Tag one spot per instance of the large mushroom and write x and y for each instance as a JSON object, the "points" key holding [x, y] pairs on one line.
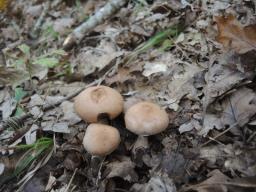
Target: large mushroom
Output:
{"points": [[101, 140], [145, 119], [95, 101]]}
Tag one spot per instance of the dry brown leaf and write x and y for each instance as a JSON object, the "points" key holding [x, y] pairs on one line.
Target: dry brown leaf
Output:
{"points": [[211, 184], [123, 169], [122, 75], [237, 109], [235, 36], [226, 72], [61, 25], [156, 183], [221, 183], [91, 59]]}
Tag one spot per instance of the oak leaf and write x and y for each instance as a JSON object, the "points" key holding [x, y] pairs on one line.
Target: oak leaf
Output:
{"points": [[233, 35]]}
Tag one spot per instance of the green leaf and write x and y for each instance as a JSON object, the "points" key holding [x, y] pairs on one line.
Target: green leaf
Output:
{"points": [[47, 61], [19, 62], [49, 32], [25, 49], [19, 111], [36, 150], [19, 94], [167, 44]]}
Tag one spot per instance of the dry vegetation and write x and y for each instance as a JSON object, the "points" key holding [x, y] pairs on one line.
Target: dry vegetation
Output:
{"points": [[195, 58]]}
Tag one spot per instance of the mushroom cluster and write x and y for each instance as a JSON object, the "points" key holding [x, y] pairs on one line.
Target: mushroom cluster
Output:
{"points": [[143, 119], [90, 105]]}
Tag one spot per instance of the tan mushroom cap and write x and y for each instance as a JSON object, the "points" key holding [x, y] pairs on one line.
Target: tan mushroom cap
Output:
{"points": [[146, 118], [101, 140], [93, 101]]}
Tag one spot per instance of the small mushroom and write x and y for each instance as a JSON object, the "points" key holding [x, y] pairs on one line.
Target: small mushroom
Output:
{"points": [[101, 140], [144, 119], [98, 100]]}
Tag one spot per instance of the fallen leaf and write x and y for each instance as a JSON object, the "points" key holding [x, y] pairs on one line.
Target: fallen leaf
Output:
{"points": [[9, 33], [190, 126], [15, 77], [8, 107], [160, 184], [215, 6], [34, 11], [36, 112], [47, 62], [236, 109], [243, 182], [30, 136], [123, 169], [61, 25], [226, 72], [234, 158], [69, 114], [122, 75], [211, 184], [241, 160], [182, 84], [89, 59], [212, 153], [235, 36], [35, 100], [173, 164], [152, 68], [221, 79], [61, 127], [51, 100]]}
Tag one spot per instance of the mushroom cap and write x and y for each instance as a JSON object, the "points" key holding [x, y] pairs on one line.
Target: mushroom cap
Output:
{"points": [[146, 118], [100, 139], [93, 101]]}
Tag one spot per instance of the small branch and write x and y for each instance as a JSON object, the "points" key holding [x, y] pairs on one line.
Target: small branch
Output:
{"points": [[105, 12], [71, 180], [220, 134]]}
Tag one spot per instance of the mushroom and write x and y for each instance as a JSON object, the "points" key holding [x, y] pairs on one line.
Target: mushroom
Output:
{"points": [[97, 100], [144, 119], [101, 140]]}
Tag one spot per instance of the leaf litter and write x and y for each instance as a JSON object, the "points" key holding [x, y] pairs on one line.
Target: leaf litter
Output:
{"points": [[195, 59]]}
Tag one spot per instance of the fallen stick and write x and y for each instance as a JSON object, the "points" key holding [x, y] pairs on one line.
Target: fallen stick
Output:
{"points": [[105, 12]]}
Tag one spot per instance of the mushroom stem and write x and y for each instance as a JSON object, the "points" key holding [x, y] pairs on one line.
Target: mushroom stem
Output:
{"points": [[140, 143], [103, 118]]}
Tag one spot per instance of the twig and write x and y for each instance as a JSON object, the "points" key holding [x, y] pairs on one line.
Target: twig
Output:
{"points": [[105, 12], [72, 178], [251, 137], [220, 134]]}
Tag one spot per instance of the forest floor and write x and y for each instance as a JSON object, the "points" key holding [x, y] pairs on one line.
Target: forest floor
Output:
{"points": [[196, 59]]}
